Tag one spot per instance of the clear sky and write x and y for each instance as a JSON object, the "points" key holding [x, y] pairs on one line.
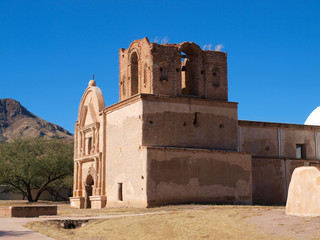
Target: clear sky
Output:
{"points": [[49, 50]]}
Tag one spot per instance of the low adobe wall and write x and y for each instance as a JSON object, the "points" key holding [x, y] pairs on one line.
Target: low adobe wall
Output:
{"points": [[185, 175], [28, 211]]}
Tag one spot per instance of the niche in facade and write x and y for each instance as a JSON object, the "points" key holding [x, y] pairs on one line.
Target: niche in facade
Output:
{"points": [[89, 145], [163, 72], [123, 85], [215, 77], [145, 75]]}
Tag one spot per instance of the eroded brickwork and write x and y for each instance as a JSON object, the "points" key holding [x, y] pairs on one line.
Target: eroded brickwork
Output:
{"points": [[172, 69]]}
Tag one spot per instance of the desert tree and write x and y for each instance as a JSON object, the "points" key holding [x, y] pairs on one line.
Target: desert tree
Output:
{"points": [[31, 166]]}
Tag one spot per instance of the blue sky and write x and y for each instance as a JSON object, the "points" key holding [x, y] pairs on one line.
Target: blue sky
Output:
{"points": [[50, 49]]}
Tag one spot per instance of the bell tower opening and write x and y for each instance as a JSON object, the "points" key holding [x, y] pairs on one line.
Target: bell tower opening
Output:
{"points": [[187, 74], [134, 72], [182, 69]]}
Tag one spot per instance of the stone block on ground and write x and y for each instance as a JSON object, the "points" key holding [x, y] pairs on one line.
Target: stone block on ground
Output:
{"points": [[28, 211], [304, 192]]}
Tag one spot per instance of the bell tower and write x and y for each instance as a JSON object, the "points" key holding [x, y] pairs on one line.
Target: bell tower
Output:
{"points": [[172, 69]]}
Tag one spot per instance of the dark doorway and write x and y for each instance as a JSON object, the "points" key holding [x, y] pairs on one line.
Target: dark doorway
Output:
{"points": [[89, 183]]}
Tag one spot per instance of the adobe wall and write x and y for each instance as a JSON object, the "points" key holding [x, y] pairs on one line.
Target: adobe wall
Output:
{"points": [[189, 122], [278, 139], [271, 178], [181, 175], [125, 161]]}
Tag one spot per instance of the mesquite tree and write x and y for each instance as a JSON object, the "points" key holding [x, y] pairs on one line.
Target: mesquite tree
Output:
{"points": [[30, 166]]}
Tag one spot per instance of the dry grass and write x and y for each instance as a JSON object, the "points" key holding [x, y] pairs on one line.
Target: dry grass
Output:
{"points": [[180, 222], [4, 203]]}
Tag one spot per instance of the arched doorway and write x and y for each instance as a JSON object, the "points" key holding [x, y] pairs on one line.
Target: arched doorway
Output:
{"points": [[88, 193]]}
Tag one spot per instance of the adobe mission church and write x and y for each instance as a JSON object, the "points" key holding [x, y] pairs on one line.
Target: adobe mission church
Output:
{"points": [[175, 138]]}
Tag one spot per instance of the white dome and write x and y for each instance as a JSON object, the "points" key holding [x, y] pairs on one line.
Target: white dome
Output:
{"points": [[314, 118]]}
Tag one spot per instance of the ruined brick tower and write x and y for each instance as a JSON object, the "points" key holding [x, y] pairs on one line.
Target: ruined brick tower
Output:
{"points": [[172, 69]]}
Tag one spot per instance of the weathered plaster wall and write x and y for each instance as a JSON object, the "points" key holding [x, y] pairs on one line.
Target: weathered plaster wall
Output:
{"points": [[271, 178], [185, 122], [125, 161], [259, 141], [278, 139], [181, 175], [273, 146], [292, 136]]}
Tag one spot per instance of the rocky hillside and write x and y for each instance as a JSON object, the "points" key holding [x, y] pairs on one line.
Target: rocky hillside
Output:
{"points": [[17, 122]]}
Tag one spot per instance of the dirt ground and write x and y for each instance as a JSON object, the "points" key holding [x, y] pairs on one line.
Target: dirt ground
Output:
{"points": [[221, 222], [196, 221], [276, 222]]}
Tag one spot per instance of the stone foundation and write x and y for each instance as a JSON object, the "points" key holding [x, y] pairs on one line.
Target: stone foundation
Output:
{"points": [[28, 211], [77, 202], [98, 202]]}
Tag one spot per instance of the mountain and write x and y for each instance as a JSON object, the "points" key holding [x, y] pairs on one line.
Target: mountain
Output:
{"points": [[17, 122]]}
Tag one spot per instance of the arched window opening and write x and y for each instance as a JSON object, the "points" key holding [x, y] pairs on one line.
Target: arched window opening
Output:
{"points": [[187, 74], [187, 78], [183, 56], [134, 73], [216, 77]]}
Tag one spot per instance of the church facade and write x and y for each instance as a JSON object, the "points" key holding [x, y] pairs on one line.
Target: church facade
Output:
{"points": [[175, 138]]}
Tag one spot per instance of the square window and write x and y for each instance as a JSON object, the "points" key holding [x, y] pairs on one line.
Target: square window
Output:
{"points": [[300, 151]]}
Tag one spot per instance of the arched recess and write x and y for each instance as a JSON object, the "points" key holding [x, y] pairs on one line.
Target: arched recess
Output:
{"points": [[134, 73], [163, 72], [123, 86], [146, 77], [88, 190], [215, 72]]}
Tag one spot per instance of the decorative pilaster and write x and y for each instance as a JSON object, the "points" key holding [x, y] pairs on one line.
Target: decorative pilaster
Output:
{"points": [[75, 175], [80, 179]]}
